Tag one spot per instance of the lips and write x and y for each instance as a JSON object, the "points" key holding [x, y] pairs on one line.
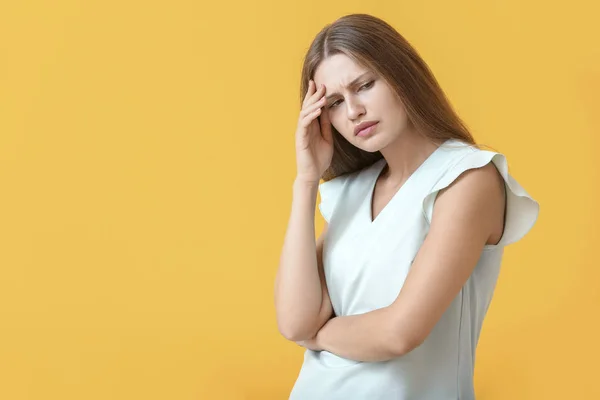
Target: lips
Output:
{"points": [[364, 125]]}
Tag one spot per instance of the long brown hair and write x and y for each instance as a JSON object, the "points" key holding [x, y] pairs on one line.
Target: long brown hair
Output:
{"points": [[373, 43]]}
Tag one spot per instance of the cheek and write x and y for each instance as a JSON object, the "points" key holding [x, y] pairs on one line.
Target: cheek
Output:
{"points": [[395, 107], [336, 121], [340, 129], [398, 105], [344, 129]]}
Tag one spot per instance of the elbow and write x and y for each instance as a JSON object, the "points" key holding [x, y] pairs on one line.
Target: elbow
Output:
{"points": [[402, 346], [406, 334], [405, 341], [295, 332]]}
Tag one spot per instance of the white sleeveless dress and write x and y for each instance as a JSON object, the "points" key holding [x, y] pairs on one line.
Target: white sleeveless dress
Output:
{"points": [[366, 263]]}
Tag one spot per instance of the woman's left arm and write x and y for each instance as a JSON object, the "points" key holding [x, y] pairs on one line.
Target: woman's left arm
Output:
{"points": [[465, 217]]}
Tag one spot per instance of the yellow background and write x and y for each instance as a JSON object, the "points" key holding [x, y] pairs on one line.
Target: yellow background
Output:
{"points": [[146, 166]]}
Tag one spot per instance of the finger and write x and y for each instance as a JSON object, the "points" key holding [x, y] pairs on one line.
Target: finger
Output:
{"points": [[309, 109], [309, 92], [314, 94], [310, 117], [317, 94]]}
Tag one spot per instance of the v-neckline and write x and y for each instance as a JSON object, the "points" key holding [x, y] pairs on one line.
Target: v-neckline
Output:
{"points": [[379, 166]]}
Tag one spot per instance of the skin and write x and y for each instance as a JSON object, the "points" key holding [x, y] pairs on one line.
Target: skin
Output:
{"points": [[467, 215]]}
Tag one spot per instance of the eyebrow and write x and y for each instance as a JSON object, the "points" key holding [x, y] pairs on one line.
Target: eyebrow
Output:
{"points": [[351, 84]]}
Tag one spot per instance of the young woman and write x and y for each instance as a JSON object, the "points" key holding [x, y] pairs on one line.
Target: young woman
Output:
{"points": [[390, 299]]}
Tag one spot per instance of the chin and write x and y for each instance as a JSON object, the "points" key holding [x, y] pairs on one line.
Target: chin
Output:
{"points": [[370, 147], [375, 143]]}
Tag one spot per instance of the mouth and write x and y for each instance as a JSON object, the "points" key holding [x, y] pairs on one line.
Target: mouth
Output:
{"points": [[365, 128]]}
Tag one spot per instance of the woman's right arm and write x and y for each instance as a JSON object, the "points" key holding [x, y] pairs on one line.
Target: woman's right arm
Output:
{"points": [[301, 298]]}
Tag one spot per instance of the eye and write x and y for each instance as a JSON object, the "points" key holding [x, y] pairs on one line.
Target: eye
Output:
{"points": [[367, 85], [335, 103]]}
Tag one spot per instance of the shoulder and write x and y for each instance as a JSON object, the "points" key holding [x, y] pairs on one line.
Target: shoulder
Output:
{"points": [[331, 192], [478, 188], [341, 186], [355, 175], [483, 182], [475, 201]]}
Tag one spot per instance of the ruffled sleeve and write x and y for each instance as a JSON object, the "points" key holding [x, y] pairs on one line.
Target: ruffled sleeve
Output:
{"points": [[521, 209], [330, 193]]}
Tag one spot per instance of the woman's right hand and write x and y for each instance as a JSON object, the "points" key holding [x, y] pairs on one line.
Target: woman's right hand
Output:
{"points": [[314, 139]]}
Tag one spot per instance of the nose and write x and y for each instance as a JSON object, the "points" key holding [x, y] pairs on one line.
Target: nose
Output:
{"points": [[354, 109]]}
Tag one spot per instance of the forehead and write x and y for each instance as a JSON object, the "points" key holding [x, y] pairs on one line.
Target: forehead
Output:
{"points": [[338, 71]]}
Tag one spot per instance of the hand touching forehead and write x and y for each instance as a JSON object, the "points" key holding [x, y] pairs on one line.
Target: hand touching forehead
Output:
{"points": [[339, 73]]}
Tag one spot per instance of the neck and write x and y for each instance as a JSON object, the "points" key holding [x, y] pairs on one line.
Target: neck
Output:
{"points": [[405, 155]]}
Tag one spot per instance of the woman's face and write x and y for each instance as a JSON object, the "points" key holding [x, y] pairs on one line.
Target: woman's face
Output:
{"points": [[355, 95]]}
